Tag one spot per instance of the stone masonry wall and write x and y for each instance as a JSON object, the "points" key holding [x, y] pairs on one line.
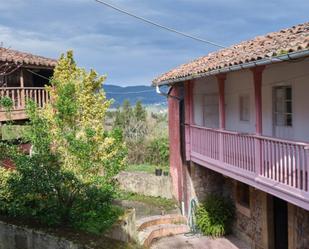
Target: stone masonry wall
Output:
{"points": [[248, 224], [301, 228], [145, 184]]}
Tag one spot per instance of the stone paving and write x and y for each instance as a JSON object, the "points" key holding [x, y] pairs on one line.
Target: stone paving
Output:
{"points": [[185, 241]]}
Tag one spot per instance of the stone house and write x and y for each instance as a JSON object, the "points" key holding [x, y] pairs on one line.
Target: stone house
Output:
{"points": [[238, 126]]}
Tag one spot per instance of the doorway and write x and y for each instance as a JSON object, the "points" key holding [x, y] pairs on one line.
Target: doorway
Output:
{"points": [[280, 223]]}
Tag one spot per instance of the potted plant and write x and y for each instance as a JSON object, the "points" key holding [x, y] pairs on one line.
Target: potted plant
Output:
{"points": [[158, 171]]}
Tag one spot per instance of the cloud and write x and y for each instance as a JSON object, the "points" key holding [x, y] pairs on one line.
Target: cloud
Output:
{"points": [[132, 52]]}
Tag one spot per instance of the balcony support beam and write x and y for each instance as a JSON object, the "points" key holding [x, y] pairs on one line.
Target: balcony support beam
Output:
{"points": [[22, 90], [257, 80], [221, 83]]}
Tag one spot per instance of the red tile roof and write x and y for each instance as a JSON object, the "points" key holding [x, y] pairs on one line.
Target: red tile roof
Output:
{"points": [[9, 55], [273, 44]]}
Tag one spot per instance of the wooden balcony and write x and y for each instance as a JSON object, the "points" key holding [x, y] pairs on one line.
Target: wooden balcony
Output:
{"points": [[276, 166], [20, 96]]}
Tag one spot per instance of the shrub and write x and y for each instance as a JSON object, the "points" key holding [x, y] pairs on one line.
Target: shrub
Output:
{"points": [[215, 216], [158, 151]]}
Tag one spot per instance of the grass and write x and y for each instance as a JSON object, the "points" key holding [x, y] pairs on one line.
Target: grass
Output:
{"points": [[166, 204], [147, 168]]}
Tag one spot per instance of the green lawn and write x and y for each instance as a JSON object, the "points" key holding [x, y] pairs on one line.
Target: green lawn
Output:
{"points": [[166, 204], [148, 168]]}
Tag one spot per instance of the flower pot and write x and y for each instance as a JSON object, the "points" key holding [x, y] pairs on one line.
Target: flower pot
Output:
{"points": [[158, 172], [165, 173]]}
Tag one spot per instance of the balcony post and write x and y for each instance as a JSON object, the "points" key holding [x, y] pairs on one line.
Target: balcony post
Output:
{"points": [[22, 93], [188, 100], [221, 84], [257, 80]]}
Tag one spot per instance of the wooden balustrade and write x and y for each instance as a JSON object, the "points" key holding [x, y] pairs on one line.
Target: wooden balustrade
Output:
{"points": [[280, 161], [20, 96]]}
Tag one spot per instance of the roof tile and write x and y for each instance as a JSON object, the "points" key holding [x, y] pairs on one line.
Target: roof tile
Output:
{"points": [[9, 55], [292, 39]]}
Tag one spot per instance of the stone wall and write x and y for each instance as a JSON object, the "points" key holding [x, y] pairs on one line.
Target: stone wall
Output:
{"points": [[145, 184], [298, 228], [202, 181], [16, 237], [249, 224]]}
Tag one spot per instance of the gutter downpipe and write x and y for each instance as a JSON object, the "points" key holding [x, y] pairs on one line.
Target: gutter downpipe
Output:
{"points": [[167, 95], [267, 61]]}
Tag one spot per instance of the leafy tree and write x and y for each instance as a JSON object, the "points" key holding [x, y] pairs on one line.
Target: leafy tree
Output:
{"points": [[140, 112], [68, 177]]}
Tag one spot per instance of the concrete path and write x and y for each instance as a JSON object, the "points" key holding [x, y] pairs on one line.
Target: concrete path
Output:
{"points": [[198, 242]]}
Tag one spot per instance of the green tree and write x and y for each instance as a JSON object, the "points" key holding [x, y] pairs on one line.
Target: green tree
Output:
{"points": [[68, 177], [140, 112]]}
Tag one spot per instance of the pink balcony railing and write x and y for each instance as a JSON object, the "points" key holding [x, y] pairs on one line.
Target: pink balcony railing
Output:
{"points": [[275, 162], [20, 96]]}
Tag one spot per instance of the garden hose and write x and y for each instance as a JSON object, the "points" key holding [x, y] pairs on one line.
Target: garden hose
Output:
{"points": [[191, 216]]}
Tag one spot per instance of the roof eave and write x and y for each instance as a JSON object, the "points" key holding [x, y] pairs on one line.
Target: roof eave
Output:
{"points": [[266, 61]]}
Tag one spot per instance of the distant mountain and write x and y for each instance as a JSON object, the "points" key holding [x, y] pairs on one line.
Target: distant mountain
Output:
{"points": [[146, 94]]}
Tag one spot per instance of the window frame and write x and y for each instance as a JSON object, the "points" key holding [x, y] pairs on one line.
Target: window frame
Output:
{"points": [[284, 113], [241, 105]]}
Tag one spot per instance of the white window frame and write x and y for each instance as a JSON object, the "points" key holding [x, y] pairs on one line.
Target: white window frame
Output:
{"points": [[241, 105], [284, 113]]}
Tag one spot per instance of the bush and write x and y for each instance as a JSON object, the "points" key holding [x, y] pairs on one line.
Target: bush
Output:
{"points": [[215, 216], [158, 151], [40, 190]]}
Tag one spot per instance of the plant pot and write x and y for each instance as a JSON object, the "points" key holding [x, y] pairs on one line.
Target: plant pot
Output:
{"points": [[158, 172], [165, 173]]}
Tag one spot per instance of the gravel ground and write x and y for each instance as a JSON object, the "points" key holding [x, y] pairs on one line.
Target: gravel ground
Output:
{"points": [[198, 242]]}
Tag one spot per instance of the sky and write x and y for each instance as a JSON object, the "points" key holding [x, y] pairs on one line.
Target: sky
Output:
{"points": [[131, 52]]}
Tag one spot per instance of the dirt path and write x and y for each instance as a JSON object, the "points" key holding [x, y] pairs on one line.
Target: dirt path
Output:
{"points": [[198, 242]]}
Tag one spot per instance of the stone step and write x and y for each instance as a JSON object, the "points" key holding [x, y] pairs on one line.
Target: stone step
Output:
{"points": [[160, 219], [148, 234]]}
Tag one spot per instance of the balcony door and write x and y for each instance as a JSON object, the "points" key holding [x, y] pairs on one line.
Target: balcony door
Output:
{"points": [[283, 112], [211, 110]]}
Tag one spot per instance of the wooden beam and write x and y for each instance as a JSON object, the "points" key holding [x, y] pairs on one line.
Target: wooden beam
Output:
{"points": [[22, 100], [257, 80], [21, 78], [221, 85]]}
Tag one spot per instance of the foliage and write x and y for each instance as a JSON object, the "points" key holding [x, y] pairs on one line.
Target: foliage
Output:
{"points": [[75, 119], [7, 104], [68, 178], [13, 131], [140, 112], [145, 136], [132, 121], [215, 216], [158, 151]]}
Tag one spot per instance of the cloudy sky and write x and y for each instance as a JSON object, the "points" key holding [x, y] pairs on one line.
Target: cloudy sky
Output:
{"points": [[131, 52]]}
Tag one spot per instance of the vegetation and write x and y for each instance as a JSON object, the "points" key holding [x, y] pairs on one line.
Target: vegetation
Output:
{"points": [[68, 178], [215, 216], [147, 168], [145, 135], [165, 204]]}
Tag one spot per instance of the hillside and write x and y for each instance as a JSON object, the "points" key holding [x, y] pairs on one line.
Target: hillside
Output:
{"points": [[146, 94]]}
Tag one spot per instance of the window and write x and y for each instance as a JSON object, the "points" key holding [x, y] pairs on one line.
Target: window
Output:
{"points": [[283, 106], [211, 110], [244, 107], [243, 194]]}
